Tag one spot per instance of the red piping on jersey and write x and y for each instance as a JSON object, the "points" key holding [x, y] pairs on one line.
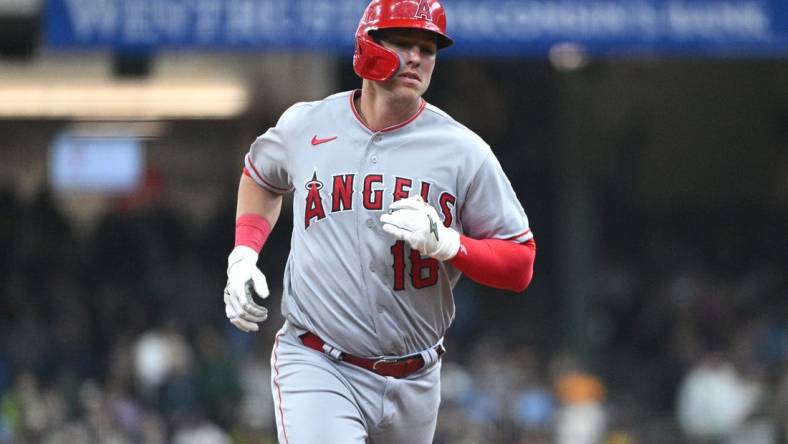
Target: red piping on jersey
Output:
{"points": [[278, 389], [422, 105], [284, 190], [519, 235], [497, 263]]}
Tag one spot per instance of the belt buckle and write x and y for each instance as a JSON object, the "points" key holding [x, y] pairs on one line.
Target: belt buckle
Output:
{"points": [[384, 361]]}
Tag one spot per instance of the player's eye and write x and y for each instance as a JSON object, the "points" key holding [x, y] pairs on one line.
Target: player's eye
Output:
{"points": [[427, 49]]}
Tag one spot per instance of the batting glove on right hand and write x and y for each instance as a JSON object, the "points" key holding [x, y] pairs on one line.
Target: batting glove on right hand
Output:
{"points": [[244, 280], [417, 223]]}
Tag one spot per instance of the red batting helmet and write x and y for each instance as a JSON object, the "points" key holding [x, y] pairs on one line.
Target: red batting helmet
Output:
{"points": [[375, 62]]}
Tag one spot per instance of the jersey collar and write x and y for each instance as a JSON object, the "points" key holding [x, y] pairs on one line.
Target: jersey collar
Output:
{"points": [[352, 96]]}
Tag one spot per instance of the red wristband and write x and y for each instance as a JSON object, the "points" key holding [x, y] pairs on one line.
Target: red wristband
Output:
{"points": [[251, 230]]}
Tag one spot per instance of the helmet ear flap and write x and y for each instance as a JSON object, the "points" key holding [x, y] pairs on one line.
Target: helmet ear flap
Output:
{"points": [[373, 61]]}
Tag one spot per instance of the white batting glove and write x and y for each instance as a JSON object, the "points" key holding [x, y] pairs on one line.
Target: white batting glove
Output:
{"points": [[244, 280], [417, 223]]}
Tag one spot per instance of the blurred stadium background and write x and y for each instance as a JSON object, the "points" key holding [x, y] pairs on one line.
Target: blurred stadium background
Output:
{"points": [[647, 140]]}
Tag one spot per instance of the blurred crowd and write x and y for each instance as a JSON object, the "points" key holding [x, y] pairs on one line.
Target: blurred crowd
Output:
{"points": [[119, 337]]}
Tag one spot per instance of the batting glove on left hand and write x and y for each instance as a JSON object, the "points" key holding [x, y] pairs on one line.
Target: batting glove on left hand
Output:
{"points": [[417, 223], [244, 280]]}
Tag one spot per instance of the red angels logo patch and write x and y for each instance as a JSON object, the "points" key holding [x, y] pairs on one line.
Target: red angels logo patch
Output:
{"points": [[423, 11], [339, 191], [314, 205]]}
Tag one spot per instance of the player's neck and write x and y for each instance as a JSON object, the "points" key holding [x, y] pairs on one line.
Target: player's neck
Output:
{"points": [[381, 109]]}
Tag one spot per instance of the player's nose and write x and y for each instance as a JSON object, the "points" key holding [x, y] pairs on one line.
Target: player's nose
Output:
{"points": [[413, 54]]}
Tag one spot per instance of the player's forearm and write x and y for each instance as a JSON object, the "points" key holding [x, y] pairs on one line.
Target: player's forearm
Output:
{"points": [[253, 198], [256, 213], [497, 263]]}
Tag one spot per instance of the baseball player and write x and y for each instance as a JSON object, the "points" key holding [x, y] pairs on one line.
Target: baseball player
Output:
{"points": [[392, 200]]}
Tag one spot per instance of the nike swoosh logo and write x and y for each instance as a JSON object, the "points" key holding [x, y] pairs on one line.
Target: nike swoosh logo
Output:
{"points": [[316, 141]]}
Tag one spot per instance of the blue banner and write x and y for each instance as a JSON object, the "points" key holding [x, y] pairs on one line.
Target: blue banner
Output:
{"points": [[480, 27]]}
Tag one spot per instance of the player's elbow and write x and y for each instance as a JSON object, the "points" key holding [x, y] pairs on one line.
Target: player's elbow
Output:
{"points": [[524, 271], [522, 283]]}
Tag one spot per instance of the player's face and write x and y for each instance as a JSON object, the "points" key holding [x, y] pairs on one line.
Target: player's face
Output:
{"points": [[418, 49]]}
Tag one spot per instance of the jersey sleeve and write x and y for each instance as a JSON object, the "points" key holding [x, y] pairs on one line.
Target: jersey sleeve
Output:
{"points": [[267, 160], [491, 209]]}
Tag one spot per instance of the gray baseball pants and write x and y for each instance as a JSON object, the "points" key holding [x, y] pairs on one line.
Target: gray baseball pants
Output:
{"points": [[320, 400]]}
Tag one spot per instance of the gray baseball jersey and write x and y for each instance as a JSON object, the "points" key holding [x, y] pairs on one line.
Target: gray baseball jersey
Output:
{"points": [[346, 280]]}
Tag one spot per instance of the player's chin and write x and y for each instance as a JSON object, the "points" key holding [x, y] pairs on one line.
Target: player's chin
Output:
{"points": [[410, 89]]}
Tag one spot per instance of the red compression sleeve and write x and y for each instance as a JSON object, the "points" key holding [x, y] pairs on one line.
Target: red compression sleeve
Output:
{"points": [[497, 263], [251, 230]]}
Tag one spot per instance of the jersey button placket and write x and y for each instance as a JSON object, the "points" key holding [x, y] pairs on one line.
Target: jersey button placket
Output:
{"points": [[369, 163], [373, 159]]}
